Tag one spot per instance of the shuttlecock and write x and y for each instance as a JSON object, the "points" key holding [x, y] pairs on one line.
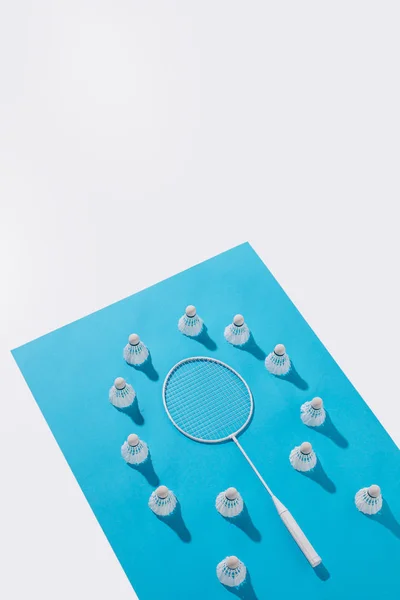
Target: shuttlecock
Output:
{"points": [[229, 503], [135, 352], [231, 571], [162, 501], [303, 457], [134, 451], [237, 333], [278, 362], [190, 323], [121, 394], [369, 500], [313, 413]]}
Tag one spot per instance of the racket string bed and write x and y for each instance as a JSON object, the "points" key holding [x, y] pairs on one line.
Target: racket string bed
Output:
{"points": [[208, 404]]}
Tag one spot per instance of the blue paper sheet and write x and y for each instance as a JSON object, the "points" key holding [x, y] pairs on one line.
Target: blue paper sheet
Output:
{"points": [[70, 371]]}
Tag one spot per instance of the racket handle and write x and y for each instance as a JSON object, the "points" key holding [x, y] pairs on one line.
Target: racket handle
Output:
{"points": [[297, 534]]}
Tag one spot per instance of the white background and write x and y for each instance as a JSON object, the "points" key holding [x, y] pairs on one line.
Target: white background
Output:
{"points": [[139, 138]]}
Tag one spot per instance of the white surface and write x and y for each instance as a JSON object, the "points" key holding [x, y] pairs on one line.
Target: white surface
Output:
{"points": [[169, 118]]}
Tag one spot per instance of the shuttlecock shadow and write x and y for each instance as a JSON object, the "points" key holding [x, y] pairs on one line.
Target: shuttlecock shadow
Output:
{"points": [[245, 590], [386, 518], [294, 378], [244, 522], [133, 411], [146, 468], [148, 369], [204, 338], [322, 572], [318, 475], [329, 430], [175, 521], [253, 348]]}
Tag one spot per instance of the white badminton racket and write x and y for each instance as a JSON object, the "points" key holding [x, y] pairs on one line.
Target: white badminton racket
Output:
{"points": [[209, 402]]}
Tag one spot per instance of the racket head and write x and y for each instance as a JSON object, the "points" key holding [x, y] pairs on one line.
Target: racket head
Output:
{"points": [[207, 400]]}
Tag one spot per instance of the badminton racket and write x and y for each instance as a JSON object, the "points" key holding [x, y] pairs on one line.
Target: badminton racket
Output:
{"points": [[209, 402]]}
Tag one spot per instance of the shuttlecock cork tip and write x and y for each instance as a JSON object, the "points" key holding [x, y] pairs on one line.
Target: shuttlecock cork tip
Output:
{"points": [[232, 562], [120, 383], [374, 490], [238, 320], [280, 349], [316, 403], [133, 439], [190, 311], [231, 493], [134, 339], [305, 448], [162, 491]]}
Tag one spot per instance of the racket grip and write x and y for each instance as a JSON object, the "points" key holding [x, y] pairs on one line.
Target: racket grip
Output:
{"points": [[297, 534]]}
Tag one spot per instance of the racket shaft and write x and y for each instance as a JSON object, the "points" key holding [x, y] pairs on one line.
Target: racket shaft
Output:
{"points": [[297, 534]]}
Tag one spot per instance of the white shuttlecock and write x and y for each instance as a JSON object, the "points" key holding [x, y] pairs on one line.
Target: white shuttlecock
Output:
{"points": [[313, 413], [190, 323], [237, 333], [303, 457], [134, 451], [369, 500], [162, 501], [229, 503], [231, 571], [121, 394], [278, 362], [135, 352]]}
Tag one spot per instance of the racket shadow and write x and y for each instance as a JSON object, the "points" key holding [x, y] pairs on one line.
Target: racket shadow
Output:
{"points": [[146, 468], [177, 524], [245, 523], [244, 591]]}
